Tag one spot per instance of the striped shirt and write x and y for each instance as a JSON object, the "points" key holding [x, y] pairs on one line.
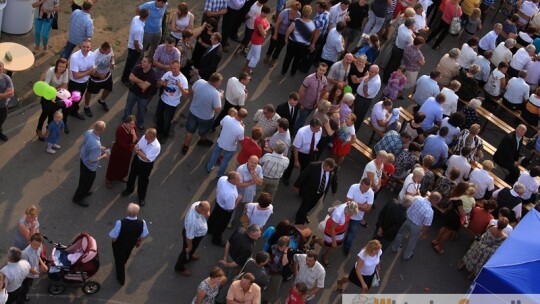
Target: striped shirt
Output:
{"points": [[215, 5], [273, 165], [321, 22], [420, 212]]}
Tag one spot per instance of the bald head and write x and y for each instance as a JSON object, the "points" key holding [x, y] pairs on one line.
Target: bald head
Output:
{"points": [[203, 207], [99, 127]]}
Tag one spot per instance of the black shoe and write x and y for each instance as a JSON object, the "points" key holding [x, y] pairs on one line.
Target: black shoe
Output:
{"points": [[127, 83], [141, 202], [3, 137], [81, 203], [126, 193], [88, 194], [66, 129], [88, 112], [78, 115], [104, 105]]}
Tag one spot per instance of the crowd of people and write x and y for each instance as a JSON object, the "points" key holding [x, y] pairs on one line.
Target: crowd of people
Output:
{"points": [[437, 156]]}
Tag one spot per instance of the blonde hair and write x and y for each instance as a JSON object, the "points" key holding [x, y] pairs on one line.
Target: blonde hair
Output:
{"points": [[409, 12], [471, 190], [476, 13], [32, 210], [232, 112], [59, 114], [372, 247], [390, 158], [351, 208]]}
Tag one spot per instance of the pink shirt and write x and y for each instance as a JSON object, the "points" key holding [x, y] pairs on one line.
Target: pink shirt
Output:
{"points": [[451, 11]]}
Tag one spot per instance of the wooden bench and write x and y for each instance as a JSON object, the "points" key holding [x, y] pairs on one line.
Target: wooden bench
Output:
{"points": [[490, 117], [514, 113], [364, 149], [404, 115]]}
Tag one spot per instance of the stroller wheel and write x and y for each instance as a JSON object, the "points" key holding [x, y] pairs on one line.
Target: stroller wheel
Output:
{"points": [[56, 288], [91, 287]]}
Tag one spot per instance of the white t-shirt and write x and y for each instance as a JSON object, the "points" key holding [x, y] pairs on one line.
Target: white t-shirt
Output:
{"points": [[372, 167], [172, 92], [257, 216], [450, 105], [51, 79], [102, 62], [409, 186], [378, 113], [360, 198], [370, 262], [80, 63], [461, 163], [254, 11], [333, 46], [493, 85], [136, 32], [226, 194], [483, 182], [231, 134]]}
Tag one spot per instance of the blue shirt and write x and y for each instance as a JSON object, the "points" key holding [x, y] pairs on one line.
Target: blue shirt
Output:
{"points": [[90, 150], [116, 230], [536, 43], [425, 88], [435, 146], [205, 99], [215, 5], [153, 22], [433, 111], [81, 26], [321, 22]]}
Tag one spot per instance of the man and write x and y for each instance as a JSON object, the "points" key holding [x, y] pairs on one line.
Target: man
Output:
{"points": [[381, 115], [390, 219], [175, 85], [152, 27], [392, 142], [369, 87], [376, 16], [235, 96], [6, 92], [426, 87], [195, 228], [239, 247], [507, 153], [533, 73], [81, 27], [266, 118], [273, 165], [244, 290], [251, 177], [311, 91], [335, 44], [143, 88], [32, 254], [521, 58], [419, 218], [102, 77], [215, 9], [503, 52], [135, 43], [231, 22], [511, 199], [211, 58], [312, 185], [318, 37], [257, 267], [227, 198], [164, 55], [289, 110], [232, 132], [436, 146], [405, 37], [517, 92], [420, 26], [304, 148], [373, 171], [489, 41], [81, 67], [206, 101], [484, 182], [15, 272], [309, 271], [484, 62], [146, 152], [339, 72], [363, 195], [451, 103], [460, 162], [434, 113], [338, 13], [91, 153], [127, 234], [357, 13]]}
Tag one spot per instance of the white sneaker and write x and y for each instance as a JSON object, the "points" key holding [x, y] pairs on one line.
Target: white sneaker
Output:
{"points": [[51, 151], [56, 146]]}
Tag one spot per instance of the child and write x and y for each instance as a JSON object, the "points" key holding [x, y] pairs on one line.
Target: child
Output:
{"points": [[250, 23], [346, 136], [54, 130], [396, 83], [32, 254], [468, 203], [261, 26], [297, 293], [388, 169]]}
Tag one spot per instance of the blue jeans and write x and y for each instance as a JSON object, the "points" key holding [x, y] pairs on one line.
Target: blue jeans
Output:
{"points": [[352, 229], [227, 155], [41, 31], [68, 49], [301, 120], [141, 102]]}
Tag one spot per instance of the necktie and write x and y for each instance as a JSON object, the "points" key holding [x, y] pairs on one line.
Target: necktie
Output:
{"points": [[292, 112], [312, 144], [322, 185]]}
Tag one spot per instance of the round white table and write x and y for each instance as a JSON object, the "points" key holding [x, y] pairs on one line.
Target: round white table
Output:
{"points": [[23, 58]]}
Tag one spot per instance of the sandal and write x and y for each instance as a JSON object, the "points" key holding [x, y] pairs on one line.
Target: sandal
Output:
{"points": [[272, 63], [339, 287], [438, 249], [326, 263]]}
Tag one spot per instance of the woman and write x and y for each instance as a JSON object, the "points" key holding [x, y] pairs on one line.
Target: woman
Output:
{"points": [[452, 218], [298, 38], [346, 136], [367, 263], [469, 86], [186, 52], [44, 11], [182, 20], [451, 10], [336, 95], [28, 225], [494, 87], [259, 212], [445, 185], [449, 67], [472, 25], [57, 77], [122, 149], [414, 127], [208, 289], [281, 258], [357, 72], [452, 123], [428, 182], [3, 291], [468, 7], [250, 146], [203, 35], [471, 116], [327, 131], [531, 112], [371, 48], [469, 138], [272, 234], [482, 250], [480, 217], [277, 42], [335, 228], [413, 60], [528, 179]]}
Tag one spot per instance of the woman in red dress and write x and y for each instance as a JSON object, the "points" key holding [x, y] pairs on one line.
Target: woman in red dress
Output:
{"points": [[126, 138]]}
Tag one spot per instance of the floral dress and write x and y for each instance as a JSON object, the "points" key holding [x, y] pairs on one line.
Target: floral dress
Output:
{"points": [[395, 85], [481, 251], [210, 292]]}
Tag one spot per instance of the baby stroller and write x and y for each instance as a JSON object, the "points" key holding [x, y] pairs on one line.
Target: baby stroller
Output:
{"points": [[76, 263]]}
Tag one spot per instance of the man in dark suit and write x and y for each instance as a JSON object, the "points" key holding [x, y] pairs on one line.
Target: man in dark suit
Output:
{"points": [[290, 110], [211, 58], [507, 154], [313, 183]]}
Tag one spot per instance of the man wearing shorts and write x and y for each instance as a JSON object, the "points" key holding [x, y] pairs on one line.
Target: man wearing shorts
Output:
{"points": [[101, 79], [205, 102]]}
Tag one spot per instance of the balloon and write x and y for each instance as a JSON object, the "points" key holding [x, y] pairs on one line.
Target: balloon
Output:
{"points": [[49, 93], [39, 87], [68, 103], [76, 96], [347, 89]]}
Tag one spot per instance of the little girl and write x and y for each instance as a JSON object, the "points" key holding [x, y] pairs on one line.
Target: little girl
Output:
{"points": [[396, 83], [55, 128], [296, 293], [468, 202], [471, 27], [388, 170], [346, 136]]}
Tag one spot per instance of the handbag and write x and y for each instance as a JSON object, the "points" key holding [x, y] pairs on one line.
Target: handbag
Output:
{"points": [[376, 280], [455, 26], [245, 220], [55, 21], [241, 273], [322, 224]]}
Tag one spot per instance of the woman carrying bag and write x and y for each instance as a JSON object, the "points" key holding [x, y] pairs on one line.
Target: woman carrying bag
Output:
{"points": [[44, 16], [451, 10], [365, 272]]}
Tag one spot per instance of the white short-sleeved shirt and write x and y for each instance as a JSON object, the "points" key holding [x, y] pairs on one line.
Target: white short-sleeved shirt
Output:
{"points": [[520, 59], [378, 113], [333, 46], [151, 150], [257, 216], [254, 11], [172, 92], [404, 37], [419, 22], [136, 32], [450, 105], [370, 262], [452, 131], [461, 163], [373, 87], [467, 56], [483, 182], [372, 167], [360, 198], [233, 131], [312, 277], [51, 79], [80, 63], [501, 53], [302, 141], [226, 194], [530, 183], [517, 90], [493, 85], [409, 186]]}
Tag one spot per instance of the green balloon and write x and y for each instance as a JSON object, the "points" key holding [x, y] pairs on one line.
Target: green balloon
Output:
{"points": [[39, 88], [347, 89], [50, 93]]}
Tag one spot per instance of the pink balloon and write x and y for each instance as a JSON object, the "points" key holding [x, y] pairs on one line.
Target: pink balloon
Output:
{"points": [[76, 96], [68, 103]]}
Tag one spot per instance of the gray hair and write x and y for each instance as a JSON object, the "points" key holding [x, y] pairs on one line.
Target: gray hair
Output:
{"points": [[510, 43], [418, 172], [280, 147], [253, 229], [406, 201], [133, 209], [474, 69], [454, 53], [530, 48], [348, 97], [519, 188], [14, 254], [497, 26], [382, 153], [475, 103]]}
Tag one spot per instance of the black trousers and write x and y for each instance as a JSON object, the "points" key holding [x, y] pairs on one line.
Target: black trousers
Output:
{"points": [[513, 174], [308, 202], [86, 180], [275, 47], [139, 170], [393, 64], [3, 116], [76, 86], [47, 112], [164, 116], [230, 25], [25, 288], [303, 159], [121, 256], [131, 60], [183, 257], [321, 146], [443, 29], [217, 222], [361, 107], [16, 296], [226, 107], [297, 54]]}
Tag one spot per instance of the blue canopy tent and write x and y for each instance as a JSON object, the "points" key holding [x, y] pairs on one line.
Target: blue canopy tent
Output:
{"points": [[515, 267]]}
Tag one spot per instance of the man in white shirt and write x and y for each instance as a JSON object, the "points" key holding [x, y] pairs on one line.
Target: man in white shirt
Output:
{"points": [[503, 52], [335, 44], [309, 271], [232, 132], [135, 43], [450, 105], [235, 96], [461, 163], [195, 228], [338, 12], [363, 195], [468, 54], [482, 179], [520, 59], [81, 66], [227, 197], [404, 38], [517, 92], [369, 87], [489, 41], [533, 73], [15, 272], [420, 19], [146, 152]]}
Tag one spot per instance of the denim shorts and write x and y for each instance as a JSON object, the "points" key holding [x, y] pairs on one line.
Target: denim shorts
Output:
{"points": [[194, 123]]}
